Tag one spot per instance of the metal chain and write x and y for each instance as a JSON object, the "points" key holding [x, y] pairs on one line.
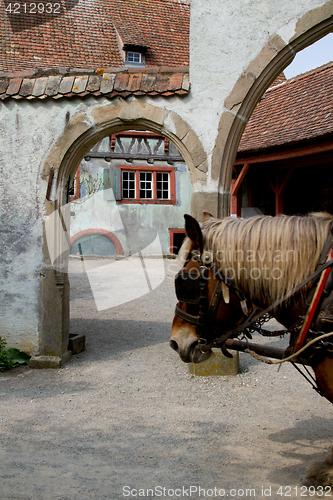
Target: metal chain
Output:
{"points": [[256, 327]]}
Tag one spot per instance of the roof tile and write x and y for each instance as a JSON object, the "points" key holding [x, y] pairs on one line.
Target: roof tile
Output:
{"points": [[181, 92], [39, 87], [134, 82], [121, 82], [27, 87], [66, 84], [147, 82], [162, 82], [52, 86], [107, 83], [186, 82], [14, 86], [94, 83], [176, 81], [3, 84], [80, 84]]}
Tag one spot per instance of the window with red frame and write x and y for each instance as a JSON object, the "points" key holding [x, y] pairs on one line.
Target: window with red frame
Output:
{"points": [[147, 185]]}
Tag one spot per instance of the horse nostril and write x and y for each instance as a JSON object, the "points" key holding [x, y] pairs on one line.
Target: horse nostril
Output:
{"points": [[173, 345]]}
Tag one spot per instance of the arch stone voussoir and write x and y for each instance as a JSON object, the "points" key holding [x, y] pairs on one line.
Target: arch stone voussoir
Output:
{"points": [[313, 18]]}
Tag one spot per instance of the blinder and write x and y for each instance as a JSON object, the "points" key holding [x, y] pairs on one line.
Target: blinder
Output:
{"points": [[188, 287]]}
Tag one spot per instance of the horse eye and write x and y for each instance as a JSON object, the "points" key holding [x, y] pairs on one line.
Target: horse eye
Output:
{"points": [[207, 257]]}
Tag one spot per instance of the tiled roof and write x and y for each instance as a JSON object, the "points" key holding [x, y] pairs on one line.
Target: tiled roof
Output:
{"points": [[297, 110], [85, 34], [280, 79], [100, 83], [162, 26]]}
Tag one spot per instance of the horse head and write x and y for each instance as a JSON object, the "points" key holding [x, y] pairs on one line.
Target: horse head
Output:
{"points": [[208, 303]]}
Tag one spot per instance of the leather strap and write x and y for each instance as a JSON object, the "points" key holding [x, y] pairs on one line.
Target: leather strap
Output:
{"points": [[253, 318]]}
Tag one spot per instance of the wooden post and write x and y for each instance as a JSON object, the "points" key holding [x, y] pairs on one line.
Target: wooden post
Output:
{"points": [[233, 200], [278, 195], [236, 195]]}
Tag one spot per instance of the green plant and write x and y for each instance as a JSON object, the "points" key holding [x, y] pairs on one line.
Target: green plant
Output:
{"points": [[9, 358]]}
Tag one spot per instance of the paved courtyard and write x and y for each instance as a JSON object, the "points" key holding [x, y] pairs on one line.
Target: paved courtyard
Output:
{"points": [[124, 419]]}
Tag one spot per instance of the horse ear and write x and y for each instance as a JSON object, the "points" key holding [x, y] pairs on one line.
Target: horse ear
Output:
{"points": [[207, 216], [193, 231]]}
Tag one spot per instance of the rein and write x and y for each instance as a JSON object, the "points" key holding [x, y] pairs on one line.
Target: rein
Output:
{"points": [[254, 318]]}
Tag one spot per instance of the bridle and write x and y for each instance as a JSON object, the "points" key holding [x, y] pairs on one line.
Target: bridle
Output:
{"points": [[191, 288]]}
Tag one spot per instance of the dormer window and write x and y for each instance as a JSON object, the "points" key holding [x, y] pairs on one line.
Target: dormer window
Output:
{"points": [[134, 57]]}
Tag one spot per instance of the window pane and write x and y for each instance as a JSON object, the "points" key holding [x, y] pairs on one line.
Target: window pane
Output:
{"points": [[122, 144], [146, 188], [128, 184], [162, 185], [134, 57], [156, 145], [94, 245], [144, 149], [145, 185]]}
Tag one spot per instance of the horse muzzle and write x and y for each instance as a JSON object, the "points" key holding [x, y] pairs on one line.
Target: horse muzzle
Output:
{"points": [[192, 353], [185, 341]]}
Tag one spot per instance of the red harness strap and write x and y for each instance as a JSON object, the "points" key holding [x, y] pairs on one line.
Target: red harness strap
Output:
{"points": [[313, 307]]}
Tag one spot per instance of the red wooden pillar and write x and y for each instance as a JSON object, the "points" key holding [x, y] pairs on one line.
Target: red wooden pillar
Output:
{"points": [[236, 194], [233, 200]]}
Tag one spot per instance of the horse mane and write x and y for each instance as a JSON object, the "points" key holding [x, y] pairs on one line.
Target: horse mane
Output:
{"points": [[265, 256]]}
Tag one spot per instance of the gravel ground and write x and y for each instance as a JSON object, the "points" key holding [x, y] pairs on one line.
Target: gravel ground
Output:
{"points": [[125, 416]]}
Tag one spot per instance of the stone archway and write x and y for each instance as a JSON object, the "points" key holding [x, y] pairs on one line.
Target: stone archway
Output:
{"points": [[251, 85], [82, 131]]}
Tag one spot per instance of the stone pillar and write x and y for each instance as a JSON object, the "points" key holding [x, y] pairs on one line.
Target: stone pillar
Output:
{"points": [[224, 205], [54, 321], [204, 202], [218, 204]]}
